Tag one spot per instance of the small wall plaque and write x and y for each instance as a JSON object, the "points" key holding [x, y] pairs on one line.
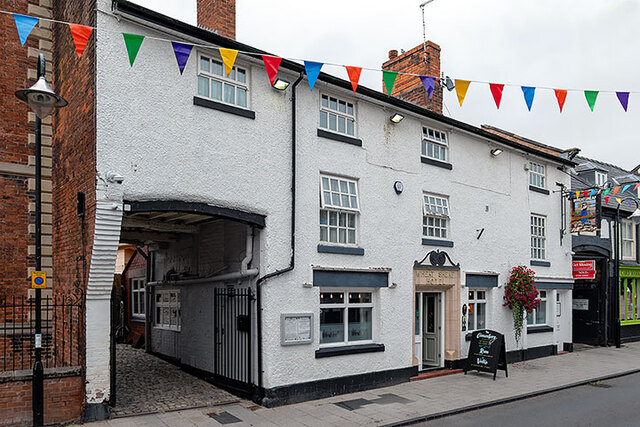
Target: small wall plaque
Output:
{"points": [[296, 328]]}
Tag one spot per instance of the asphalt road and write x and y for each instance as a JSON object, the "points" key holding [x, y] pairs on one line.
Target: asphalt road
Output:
{"points": [[610, 403]]}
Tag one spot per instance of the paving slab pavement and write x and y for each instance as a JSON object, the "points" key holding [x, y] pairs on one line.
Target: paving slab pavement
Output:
{"points": [[413, 401]]}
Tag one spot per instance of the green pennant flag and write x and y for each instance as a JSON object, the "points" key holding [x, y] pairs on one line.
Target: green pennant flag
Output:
{"points": [[591, 96], [133, 43], [389, 79]]}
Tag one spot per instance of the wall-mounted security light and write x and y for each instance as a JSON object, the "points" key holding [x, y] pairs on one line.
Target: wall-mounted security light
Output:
{"points": [[496, 152], [448, 83], [396, 118], [281, 84]]}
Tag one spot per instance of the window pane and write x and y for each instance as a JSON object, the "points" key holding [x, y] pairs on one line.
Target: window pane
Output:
{"points": [[216, 90], [331, 297], [203, 86], [354, 202], [352, 188], [352, 237], [229, 93], [325, 101], [352, 221], [342, 235], [341, 124], [333, 218], [325, 183], [232, 74], [481, 315], [324, 234], [359, 297], [350, 109], [530, 318], [135, 304], [323, 119], [331, 325], [333, 103], [323, 217], [417, 314], [216, 67], [350, 127], [335, 199], [327, 197], [470, 316], [541, 313], [332, 121], [204, 64], [342, 219], [360, 324], [141, 297], [333, 235], [242, 97], [242, 76], [345, 200], [342, 107]]}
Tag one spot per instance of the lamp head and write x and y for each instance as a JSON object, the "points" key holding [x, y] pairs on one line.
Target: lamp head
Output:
{"points": [[281, 84], [41, 98], [396, 118]]}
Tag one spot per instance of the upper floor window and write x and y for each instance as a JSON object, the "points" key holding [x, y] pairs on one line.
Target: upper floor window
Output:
{"points": [[434, 144], [537, 175], [337, 115], [538, 237], [628, 240], [538, 315], [137, 297], [601, 178], [213, 82], [435, 220], [338, 210]]}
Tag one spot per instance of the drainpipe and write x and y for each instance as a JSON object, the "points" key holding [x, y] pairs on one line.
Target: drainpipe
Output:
{"points": [[262, 279]]}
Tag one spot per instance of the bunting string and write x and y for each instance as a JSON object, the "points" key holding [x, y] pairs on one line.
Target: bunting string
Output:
{"points": [[133, 43], [618, 190]]}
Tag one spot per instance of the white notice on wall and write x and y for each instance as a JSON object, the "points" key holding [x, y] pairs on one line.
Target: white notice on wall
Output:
{"points": [[581, 304], [297, 328]]}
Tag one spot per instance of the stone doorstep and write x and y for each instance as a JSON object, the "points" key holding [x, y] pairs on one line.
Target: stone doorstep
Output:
{"points": [[435, 374]]}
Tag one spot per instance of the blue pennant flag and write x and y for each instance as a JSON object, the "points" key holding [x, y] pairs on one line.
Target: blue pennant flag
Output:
{"points": [[529, 92], [24, 25], [182, 52], [625, 188], [313, 71]]}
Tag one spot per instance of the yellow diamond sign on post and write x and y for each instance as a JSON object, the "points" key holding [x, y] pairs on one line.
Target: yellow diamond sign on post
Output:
{"points": [[38, 280]]}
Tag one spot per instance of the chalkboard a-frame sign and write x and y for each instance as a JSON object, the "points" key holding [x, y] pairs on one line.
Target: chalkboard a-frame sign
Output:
{"points": [[487, 353]]}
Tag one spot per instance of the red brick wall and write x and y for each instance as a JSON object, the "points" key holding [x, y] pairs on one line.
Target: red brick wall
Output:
{"points": [[137, 328], [62, 401], [410, 88], [14, 235], [219, 15]]}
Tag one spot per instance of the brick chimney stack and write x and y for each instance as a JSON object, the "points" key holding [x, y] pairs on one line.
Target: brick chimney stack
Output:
{"points": [[218, 15], [410, 88]]}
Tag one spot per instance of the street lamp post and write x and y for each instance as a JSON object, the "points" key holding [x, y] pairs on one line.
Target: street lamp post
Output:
{"points": [[42, 101], [635, 216]]}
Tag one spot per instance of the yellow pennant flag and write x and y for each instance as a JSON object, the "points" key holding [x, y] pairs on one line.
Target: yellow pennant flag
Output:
{"points": [[619, 201], [229, 58], [461, 89]]}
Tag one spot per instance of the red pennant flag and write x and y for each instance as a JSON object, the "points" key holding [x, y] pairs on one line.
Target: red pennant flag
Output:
{"points": [[561, 94], [271, 63], [354, 76], [615, 190], [496, 91], [80, 34], [606, 200], [636, 187]]}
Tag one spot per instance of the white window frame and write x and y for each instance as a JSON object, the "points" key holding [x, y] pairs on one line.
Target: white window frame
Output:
{"points": [[625, 226], [345, 209], [537, 175], [442, 213], [327, 111], [476, 301], [438, 141], [601, 178], [159, 317], [543, 296], [138, 285], [345, 305], [538, 230], [225, 81]]}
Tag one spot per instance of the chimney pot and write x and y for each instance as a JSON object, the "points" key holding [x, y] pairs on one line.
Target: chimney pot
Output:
{"points": [[393, 53]]}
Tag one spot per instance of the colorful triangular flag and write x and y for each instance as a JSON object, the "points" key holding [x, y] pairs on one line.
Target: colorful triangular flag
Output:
{"points": [[529, 92], [592, 193], [354, 76], [229, 58], [182, 52], [80, 34], [591, 96], [636, 187], [24, 25], [496, 91], [606, 200], [615, 190], [619, 201], [606, 191], [461, 89], [389, 79], [577, 194], [313, 71], [271, 63], [429, 83], [133, 43], [623, 97], [561, 96], [625, 188]]}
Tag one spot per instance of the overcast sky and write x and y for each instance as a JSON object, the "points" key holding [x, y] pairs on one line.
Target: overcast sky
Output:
{"points": [[565, 44]]}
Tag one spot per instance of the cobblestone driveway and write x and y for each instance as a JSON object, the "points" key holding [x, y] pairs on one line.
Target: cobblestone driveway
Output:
{"points": [[146, 384]]}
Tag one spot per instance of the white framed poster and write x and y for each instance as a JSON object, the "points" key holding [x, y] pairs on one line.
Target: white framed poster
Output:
{"points": [[296, 328]]}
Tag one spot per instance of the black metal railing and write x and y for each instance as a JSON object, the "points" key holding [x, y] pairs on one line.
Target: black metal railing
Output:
{"points": [[62, 332]]}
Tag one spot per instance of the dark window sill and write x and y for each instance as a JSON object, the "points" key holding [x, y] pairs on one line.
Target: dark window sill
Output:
{"points": [[437, 242], [539, 190], [349, 349], [434, 162], [539, 329], [540, 263], [338, 137], [208, 103], [344, 250]]}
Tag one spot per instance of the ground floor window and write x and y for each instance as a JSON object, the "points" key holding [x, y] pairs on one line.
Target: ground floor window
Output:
{"points": [[629, 296], [137, 298], [539, 314], [346, 316], [477, 310], [168, 309]]}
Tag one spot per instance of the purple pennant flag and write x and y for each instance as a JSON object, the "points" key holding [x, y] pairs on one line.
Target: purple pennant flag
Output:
{"points": [[623, 97], [182, 52], [429, 83]]}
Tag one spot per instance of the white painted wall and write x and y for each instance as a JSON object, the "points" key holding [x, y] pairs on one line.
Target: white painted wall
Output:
{"points": [[149, 131]]}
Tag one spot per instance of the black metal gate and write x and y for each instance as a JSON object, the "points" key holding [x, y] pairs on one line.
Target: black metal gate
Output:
{"points": [[232, 328]]}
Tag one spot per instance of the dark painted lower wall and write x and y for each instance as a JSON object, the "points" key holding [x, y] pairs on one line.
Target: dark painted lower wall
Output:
{"points": [[295, 393], [630, 333]]}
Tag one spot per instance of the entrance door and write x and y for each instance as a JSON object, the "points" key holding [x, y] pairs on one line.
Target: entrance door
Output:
{"points": [[588, 316], [431, 329]]}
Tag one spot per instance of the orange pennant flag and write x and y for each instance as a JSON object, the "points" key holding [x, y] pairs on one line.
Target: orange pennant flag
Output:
{"points": [[461, 89], [354, 76], [561, 95], [229, 58], [615, 190], [80, 34]]}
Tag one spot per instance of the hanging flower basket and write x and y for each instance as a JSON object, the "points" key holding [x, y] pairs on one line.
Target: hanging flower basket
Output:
{"points": [[521, 296]]}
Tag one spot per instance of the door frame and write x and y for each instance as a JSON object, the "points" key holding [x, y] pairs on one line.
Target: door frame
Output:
{"points": [[418, 337]]}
